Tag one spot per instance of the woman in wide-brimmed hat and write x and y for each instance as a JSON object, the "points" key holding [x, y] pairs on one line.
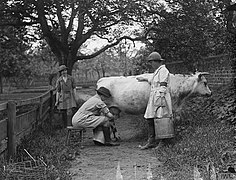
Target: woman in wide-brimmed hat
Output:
{"points": [[65, 96], [159, 105], [95, 114]]}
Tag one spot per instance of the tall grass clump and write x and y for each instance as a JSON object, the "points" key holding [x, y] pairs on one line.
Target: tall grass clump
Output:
{"points": [[48, 144], [204, 132]]}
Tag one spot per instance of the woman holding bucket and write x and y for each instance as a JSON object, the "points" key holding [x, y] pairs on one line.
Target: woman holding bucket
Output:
{"points": [[159, 109]]}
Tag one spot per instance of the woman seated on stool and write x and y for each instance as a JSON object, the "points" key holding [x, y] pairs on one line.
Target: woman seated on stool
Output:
{"points": [[94, 113]]}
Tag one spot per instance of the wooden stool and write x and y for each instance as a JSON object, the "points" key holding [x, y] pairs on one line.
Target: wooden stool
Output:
{"points": [[75, 136]]}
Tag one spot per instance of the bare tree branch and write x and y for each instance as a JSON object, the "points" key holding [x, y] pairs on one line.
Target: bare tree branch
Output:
{"points": [[141, 38], [61, 22]]}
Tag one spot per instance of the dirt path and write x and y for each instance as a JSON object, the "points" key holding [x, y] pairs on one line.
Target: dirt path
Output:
{"points": [[100, 163]]}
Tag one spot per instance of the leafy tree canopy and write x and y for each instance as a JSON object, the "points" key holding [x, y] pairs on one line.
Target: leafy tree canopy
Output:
{"points": [[179, 29], [67, 24], [191, 29]]}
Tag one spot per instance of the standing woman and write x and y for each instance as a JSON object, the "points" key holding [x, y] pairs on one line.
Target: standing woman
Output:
{"points": [[65, 96], [159, 103]]}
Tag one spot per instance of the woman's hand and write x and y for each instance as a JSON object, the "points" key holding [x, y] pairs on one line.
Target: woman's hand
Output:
{"points": [[140, 79]]}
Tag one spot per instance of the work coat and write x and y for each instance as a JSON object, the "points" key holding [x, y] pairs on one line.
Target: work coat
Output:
{"points": [[159, 103], [66, 92]]}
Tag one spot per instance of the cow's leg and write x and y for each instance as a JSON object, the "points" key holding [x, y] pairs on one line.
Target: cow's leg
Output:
{"points": [[151, 135], [116, 113], [114, 131]]}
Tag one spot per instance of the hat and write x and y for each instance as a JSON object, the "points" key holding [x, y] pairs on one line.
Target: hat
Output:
{"points": [[104, 91], [154, 56], [62, 67]]}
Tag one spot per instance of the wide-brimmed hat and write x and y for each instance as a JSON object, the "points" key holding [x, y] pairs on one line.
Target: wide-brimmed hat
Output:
{"points": [[62, 67], [154, 56], [104, 91]]}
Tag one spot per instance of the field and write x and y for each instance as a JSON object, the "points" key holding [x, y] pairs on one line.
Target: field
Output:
{"points": [[204, 132]]}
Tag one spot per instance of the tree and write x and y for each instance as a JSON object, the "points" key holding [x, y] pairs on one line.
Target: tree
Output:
{"points": [[67, 24], [13, 60], [190, 30], [230, 17], [43, 62]]}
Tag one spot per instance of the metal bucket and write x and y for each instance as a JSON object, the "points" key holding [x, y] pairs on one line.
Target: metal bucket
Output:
{"points": [[164, 128], [98, 135]]}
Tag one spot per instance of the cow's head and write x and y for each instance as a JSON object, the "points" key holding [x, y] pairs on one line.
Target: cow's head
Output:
{"points": [[201, 86]]}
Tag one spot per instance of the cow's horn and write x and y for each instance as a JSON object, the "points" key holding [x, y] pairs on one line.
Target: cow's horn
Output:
{"points": [[204, 73]]}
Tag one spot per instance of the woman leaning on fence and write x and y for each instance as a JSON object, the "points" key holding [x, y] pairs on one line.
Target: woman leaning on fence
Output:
{"points": [[65, 96]]}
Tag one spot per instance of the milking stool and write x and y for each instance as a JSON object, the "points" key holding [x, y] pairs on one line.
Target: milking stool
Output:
{"points": [[72, 136]]}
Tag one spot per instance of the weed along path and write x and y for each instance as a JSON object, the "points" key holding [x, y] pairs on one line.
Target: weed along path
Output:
{"points": [[106, 163], [101, 163]]}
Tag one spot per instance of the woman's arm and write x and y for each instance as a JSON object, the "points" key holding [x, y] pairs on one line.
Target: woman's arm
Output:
{"points": [[58, 89], [143, 78]]}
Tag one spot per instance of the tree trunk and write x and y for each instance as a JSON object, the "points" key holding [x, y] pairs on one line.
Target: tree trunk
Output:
{"points": [[68, 60]]}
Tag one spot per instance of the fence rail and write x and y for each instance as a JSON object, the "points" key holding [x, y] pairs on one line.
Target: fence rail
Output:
{"points": [[14, 127]]}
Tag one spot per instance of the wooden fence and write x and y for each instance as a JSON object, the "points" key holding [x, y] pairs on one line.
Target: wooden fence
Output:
{"points": [[14, 127]]}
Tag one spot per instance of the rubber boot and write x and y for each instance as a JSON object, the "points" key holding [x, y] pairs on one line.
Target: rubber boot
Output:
{"points": [[69, 121], [107, 135], [151, 135]]}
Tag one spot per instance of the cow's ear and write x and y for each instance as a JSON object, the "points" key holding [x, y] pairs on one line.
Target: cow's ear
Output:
{"points": [[199, 77]]}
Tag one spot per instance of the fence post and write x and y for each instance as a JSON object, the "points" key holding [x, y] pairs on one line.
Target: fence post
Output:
{"points": [[11, 146], [51, 106]]}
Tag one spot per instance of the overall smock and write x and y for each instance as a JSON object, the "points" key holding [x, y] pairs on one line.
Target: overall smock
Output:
{"points": [[66, 92], [91, 114], [159, 103]]}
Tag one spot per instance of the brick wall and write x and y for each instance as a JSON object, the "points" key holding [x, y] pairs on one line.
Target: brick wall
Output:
{"points": [[222, 69]]}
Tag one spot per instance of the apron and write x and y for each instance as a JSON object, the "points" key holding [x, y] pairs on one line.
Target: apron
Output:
{"points": [[159, 103]]}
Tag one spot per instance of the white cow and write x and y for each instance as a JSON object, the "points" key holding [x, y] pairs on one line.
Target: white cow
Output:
{"points": [[131, 96]]}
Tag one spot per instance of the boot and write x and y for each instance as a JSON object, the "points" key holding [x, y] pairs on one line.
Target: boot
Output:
{"points": [[69, 121], [107, 135], [151, 135], [150, 144]]}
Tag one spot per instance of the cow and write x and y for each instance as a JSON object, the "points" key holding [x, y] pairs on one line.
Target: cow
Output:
{"points": [[131, 96]]}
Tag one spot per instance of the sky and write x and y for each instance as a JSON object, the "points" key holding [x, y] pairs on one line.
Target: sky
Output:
{"points": [[97, 43]]}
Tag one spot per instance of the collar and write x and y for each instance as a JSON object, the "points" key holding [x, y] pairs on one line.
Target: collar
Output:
{"points": [[97, 96], [157, 70]]}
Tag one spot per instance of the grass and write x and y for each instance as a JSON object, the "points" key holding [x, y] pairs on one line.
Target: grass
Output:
{"points": [[48, 143], [203, 134], [205, 131]]}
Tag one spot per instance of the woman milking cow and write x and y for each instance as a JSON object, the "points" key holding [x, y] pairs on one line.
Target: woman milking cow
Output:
{"points": [[95, 114]]}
